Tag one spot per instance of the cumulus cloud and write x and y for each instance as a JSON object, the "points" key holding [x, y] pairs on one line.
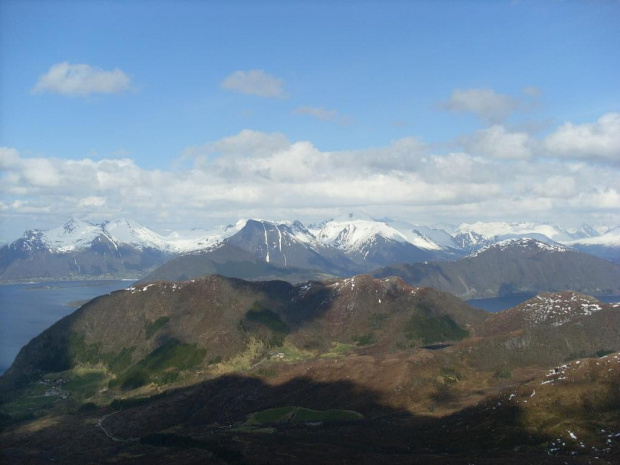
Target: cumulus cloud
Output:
{"points": [[255, 82], [497, 142], [490, 106], [82, 80], [599, 140]]}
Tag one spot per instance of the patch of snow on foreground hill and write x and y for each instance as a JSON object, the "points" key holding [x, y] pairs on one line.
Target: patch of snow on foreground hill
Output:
{"points": [[556, 310]]}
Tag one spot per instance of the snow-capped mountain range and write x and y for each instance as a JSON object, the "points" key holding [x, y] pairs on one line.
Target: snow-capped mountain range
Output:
{"points": [[351, 232], [351, 243], [76, 235]]}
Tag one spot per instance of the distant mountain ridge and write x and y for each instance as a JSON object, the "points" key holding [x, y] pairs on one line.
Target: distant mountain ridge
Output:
{"points": [[515, 266], [346, 245]]}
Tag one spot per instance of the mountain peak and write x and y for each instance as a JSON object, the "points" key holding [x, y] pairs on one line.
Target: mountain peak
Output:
{"points": [[74, 223], [521, 243]]}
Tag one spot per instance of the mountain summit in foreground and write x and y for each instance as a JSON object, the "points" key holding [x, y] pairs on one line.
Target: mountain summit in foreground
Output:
{"points": [[220, 370]]}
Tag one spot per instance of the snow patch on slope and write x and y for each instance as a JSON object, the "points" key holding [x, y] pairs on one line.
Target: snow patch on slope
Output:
{"points": [[500, 229], [521, 243], [556, 309], [353, 235]]}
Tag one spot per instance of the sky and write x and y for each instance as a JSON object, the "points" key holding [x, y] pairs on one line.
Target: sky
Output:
{"points": [[181, 114]]}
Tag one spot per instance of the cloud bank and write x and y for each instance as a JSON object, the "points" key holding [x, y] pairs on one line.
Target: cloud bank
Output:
{"points": [[599, 140], [498, 176]]}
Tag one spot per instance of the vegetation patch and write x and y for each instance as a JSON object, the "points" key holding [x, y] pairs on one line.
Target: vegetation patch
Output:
{"points": [[84, 383], [502, 373], [26, 403], [254, 349], [429, 330], [120, 404], [161, 366], [152, 327], [267, 318], [338, 349], [294, 414], [451, 376], [91, 354], [364, 339], [215, 360], [265, 372], [122, 360], [61, 393], [266, 325], [377, 320], [174, 354], [80, 352], [293, 354]]}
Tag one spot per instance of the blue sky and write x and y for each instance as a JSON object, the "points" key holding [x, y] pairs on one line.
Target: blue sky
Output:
{"points": [[366, 103]]}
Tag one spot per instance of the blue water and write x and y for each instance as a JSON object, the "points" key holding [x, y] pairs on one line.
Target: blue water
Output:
{"points": [[28, 309], [497, 304]]}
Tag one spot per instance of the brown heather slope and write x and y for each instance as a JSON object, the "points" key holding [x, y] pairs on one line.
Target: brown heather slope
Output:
{"points": [[230, 318], [184, 372]]}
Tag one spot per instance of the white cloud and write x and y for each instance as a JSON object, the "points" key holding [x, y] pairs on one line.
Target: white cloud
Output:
{"points": [[92, 202], [497, 142], [247, 142], [8, 158], [255, 82], [40, 172], [265, 175], [556, 186], [82, 80], [485, 103], [600, 140]]}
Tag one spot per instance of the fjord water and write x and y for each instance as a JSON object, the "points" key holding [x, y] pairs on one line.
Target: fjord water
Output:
{"points": [[497, 304], [28, 309]]}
